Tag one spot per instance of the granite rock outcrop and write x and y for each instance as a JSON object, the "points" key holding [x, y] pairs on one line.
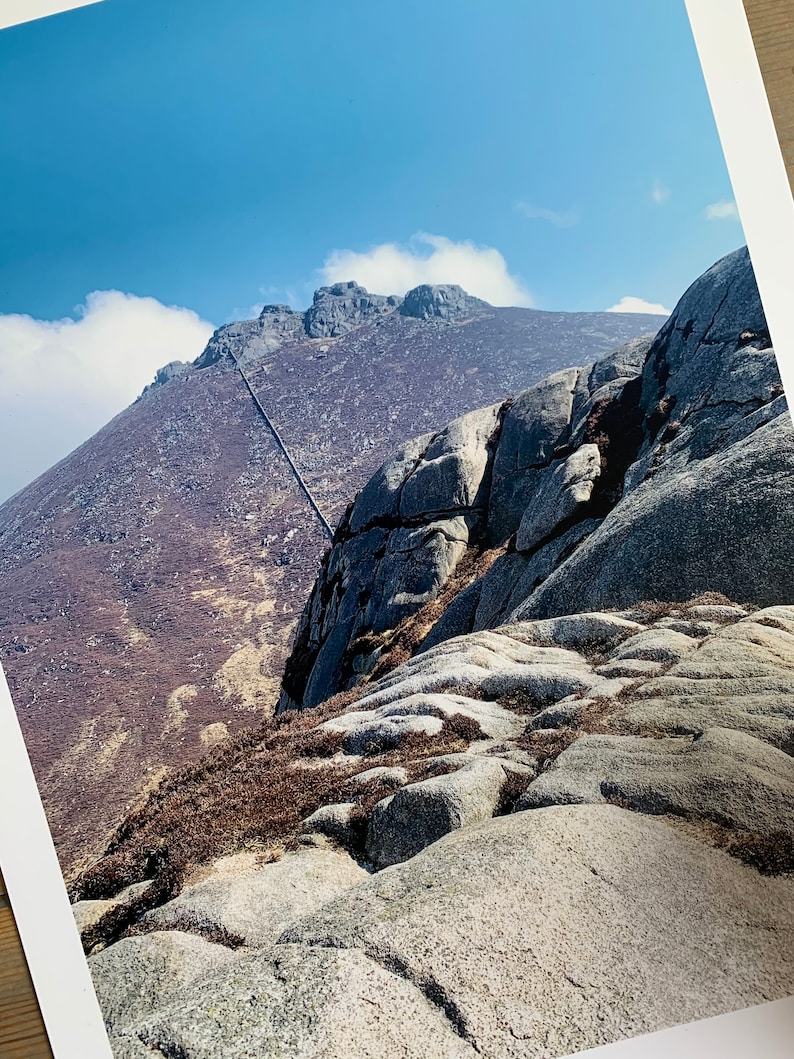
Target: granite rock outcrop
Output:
{"points": [[657, 473]]}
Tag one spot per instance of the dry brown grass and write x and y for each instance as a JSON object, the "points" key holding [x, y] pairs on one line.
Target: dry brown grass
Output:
{"points": [[514, 786], [457, 732], [771, 854], [772, 623], [547, 744], [243, 792], [393, 656], [671, 430], [520, 701], [403, 642], [651, 610], [660, 414], [710, 599]]}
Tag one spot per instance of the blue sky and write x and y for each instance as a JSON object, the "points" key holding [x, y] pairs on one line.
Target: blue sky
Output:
{"points": [[215, 156]]}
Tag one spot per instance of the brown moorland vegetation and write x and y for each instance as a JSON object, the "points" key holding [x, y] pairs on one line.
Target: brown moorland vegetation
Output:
{"points": [[252, 791]]}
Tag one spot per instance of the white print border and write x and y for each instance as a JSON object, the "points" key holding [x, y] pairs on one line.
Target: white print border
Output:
{"points": [[754, 160], [27, 855], [761, 1032], [14, 12], [34, 882]]}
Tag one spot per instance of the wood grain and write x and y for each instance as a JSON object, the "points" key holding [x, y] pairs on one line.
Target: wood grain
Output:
{"points": [[772, 29], [22, 1034]]}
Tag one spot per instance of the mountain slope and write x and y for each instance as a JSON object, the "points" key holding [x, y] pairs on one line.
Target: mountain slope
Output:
{"points": [[152, 579]]}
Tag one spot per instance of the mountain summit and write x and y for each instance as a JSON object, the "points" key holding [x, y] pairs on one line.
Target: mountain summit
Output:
{"points": [[336, 311]]}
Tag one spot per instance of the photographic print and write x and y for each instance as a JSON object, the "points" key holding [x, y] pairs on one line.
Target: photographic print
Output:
{"points": [[396, 526]]}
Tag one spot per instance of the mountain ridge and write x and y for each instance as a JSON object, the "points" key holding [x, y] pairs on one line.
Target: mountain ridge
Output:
{"points": [[345, 306]]}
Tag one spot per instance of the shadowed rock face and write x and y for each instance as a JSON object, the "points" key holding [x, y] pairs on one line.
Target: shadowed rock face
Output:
{"points": [[152, 580], [659, 472]]}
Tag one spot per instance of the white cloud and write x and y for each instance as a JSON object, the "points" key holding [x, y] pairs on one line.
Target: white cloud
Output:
{"points": [[630, 304], [659, 193], [725, 209], [391, 268], [286, 296], [61, 380], [560, 219], [245, 312]]}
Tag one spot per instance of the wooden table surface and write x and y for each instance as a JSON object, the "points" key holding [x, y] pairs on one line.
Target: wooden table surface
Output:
{"points": [[22, 1034], [772, 27]]}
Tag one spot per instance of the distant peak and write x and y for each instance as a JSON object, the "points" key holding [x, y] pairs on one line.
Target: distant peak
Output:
{"points": [[166, 373], [340, 308], [280, 319], [349, 287], [278, 310], [445, 300]]}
